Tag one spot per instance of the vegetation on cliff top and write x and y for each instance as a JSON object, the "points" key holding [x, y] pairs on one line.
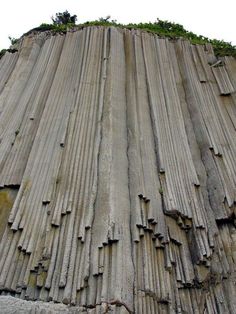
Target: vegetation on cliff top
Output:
{"points": [[64, 22], [64, 18]]}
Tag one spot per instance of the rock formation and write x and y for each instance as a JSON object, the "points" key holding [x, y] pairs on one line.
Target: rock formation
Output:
{"points": [[117, 175]]}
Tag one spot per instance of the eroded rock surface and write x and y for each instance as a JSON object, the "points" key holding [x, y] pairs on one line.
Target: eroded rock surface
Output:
{"points": [[123, 147]]}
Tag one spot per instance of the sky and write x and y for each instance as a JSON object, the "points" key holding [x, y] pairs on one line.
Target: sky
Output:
{"points": [[209, 18]]}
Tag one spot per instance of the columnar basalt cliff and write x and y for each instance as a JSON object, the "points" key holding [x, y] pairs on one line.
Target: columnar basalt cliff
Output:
{"points": [[117, 175]]}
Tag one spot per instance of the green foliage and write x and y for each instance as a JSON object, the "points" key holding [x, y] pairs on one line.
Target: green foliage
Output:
{"points": [[13, 40], [2, 52], [104, 19], [61, 28], [173, 30], [222, 48], [64, 18], [161, 28], [62, 22]]}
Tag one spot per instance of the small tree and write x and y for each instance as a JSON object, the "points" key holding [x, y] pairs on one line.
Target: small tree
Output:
{"points": [[64, 18], [12, 40], [104, 19]]}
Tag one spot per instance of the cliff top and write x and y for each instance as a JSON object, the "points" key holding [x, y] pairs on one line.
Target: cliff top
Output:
{"points": [[160, 27]]}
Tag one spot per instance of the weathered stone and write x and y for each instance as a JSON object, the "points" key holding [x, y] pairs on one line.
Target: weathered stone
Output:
{"points": [[117, 175]]}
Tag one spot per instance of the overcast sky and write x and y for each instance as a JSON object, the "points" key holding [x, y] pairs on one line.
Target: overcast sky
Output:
{"points": [[210, 18]]}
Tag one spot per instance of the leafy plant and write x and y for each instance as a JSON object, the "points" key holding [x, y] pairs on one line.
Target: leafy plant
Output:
{"points": [[64, 18], [13, 40], [64, 21], [2, 52], [104, 19], [174, 30]]}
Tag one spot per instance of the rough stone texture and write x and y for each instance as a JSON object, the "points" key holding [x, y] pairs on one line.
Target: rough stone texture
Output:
{"points": [[11, 305], [121, 148]]}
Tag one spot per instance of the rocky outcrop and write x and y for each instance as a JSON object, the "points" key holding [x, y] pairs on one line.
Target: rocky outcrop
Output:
{"points": [[118, 174]]}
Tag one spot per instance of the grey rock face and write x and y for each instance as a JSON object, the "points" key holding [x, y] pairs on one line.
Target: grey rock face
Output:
{"points": [[11, 305], [118, 149]]}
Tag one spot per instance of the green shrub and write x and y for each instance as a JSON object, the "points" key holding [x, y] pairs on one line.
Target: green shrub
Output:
{"points": [[2, 52], [13, 40], [64, 18], [161, 28]]}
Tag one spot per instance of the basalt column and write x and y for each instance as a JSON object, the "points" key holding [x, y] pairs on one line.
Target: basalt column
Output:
{"points": [[117, 175]]}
